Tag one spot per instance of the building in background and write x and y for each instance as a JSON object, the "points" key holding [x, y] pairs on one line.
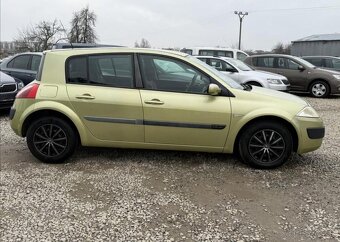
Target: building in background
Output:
{"points": [[7, 48], [321, 44]]}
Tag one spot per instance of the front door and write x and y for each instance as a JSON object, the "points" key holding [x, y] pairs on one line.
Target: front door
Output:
{"points": [[290, 69], [103, 96], [177, 108]]}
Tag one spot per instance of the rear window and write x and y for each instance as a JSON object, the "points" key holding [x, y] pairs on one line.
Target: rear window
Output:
{"points": [[187, 51], [220, 53], [102, 70]]}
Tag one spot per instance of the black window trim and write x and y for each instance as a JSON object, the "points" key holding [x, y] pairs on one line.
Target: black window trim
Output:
{"points": [[225, 92], [28, 64], [87, 69]]}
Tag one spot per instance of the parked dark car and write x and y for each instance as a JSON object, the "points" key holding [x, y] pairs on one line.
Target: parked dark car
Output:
{"points": [[9, 88], [327, 62], [22, 66], [302, 75]]}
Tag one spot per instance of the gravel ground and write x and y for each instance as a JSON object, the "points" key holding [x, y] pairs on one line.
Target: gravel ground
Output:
{"points": [[130, 195]]}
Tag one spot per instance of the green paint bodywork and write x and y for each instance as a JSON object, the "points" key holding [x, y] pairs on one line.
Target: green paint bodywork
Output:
{"points": [[123, 103]]}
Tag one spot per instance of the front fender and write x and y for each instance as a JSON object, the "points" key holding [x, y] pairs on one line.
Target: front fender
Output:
{"points": [[239, 121]]}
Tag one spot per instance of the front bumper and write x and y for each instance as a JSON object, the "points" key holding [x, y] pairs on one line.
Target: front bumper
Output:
{"points": [[279, 87], [311, 133]]}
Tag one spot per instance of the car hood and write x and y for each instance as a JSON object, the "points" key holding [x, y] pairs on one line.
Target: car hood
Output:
{"points": [[271, 97], [265, 74], [4, 78]]}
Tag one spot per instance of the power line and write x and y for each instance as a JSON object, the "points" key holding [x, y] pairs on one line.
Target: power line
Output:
{"points": [[292, 9]]}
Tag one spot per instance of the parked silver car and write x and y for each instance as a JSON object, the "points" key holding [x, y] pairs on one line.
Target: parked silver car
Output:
{"points": [[9, 88], [244, 74]]}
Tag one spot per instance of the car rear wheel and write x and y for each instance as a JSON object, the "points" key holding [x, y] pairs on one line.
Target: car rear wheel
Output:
{"points": [[51, 139], [319, 89], [265, 145]]}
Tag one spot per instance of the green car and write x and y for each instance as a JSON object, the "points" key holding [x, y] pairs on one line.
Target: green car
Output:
{"points": [[153, 99]]}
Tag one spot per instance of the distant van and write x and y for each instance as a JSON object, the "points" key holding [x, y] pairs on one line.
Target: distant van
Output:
{"points": [[216, 52]]}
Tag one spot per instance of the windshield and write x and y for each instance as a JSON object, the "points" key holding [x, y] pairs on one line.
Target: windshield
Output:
{"points": [[224, 77], [239, 64], [304, 62]]}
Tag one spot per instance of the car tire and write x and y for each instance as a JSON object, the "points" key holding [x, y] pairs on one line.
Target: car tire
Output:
{"points": [[265, 145], [319, 89], [51, 139]]}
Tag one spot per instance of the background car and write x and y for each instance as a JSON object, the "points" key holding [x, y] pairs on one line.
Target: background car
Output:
{"points": [[243, 74], [152, 99], [302, 75], [327, 62], [9, 88], [217, 52], [22, 66]]}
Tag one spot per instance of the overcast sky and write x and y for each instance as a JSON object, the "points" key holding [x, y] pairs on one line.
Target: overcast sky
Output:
{"points": [[183, 23]]}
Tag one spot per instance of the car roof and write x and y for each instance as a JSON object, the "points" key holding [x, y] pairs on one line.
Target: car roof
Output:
{"points": [[100, 50], [271, 55], [215, 57], [320, 56]]}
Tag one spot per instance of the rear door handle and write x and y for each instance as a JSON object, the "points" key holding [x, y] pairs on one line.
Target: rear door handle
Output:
{"points": [[154, 102], [85, 96]]}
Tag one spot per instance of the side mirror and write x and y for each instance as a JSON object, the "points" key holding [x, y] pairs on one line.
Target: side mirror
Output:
{"points": [[214, 90], [232, 70], [301, 68]]}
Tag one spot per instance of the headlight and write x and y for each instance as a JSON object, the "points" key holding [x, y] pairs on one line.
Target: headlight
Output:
{"points": [[308, 112], [337, 77], [20, 85], [274, 81]]}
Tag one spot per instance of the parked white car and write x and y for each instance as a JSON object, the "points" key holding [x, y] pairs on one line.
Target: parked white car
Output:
{"points": [[217, 52], [244, 74]]}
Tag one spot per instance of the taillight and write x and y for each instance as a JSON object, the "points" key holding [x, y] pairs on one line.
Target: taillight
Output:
{"points": [[30, 91]]}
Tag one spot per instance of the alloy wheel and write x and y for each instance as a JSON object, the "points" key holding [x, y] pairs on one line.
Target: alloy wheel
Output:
{"points": [[266, 146], [50, 140]]}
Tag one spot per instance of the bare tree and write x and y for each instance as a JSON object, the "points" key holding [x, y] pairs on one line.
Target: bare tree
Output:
{"points": [[281, 48], [144, 43], [82, 27], [38, 37]]}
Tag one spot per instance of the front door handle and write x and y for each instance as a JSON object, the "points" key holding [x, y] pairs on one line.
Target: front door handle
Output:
{"points": [[86, 96], [154, 102]]}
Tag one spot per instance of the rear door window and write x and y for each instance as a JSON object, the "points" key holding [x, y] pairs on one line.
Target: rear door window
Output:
{"points": [[102, 70]]}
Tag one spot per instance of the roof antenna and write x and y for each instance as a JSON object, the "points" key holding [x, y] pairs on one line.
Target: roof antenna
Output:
{"points": [[65, 33]]}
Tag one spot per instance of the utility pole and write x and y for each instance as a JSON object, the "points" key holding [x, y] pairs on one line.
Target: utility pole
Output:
{"points": [[241, 15]]}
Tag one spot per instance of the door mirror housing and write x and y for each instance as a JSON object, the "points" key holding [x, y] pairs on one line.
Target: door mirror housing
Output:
{"points": [[301, 68], [214, 90]]}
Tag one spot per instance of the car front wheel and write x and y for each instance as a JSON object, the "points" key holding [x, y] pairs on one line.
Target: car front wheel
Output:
{"points": [[319, 89], [265, 145], [51, 139]]}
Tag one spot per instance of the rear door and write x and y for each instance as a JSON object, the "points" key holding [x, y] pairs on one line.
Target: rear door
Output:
{"points": [[102, 91], [177, 109]]}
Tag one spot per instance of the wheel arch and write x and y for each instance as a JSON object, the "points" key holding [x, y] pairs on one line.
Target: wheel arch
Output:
{"points": [[47, 113], [318, 79], [255, 81], [277, 119]]}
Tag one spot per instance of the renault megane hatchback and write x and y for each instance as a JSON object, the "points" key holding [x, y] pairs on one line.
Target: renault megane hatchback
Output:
{"points": [[143, 98]]}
